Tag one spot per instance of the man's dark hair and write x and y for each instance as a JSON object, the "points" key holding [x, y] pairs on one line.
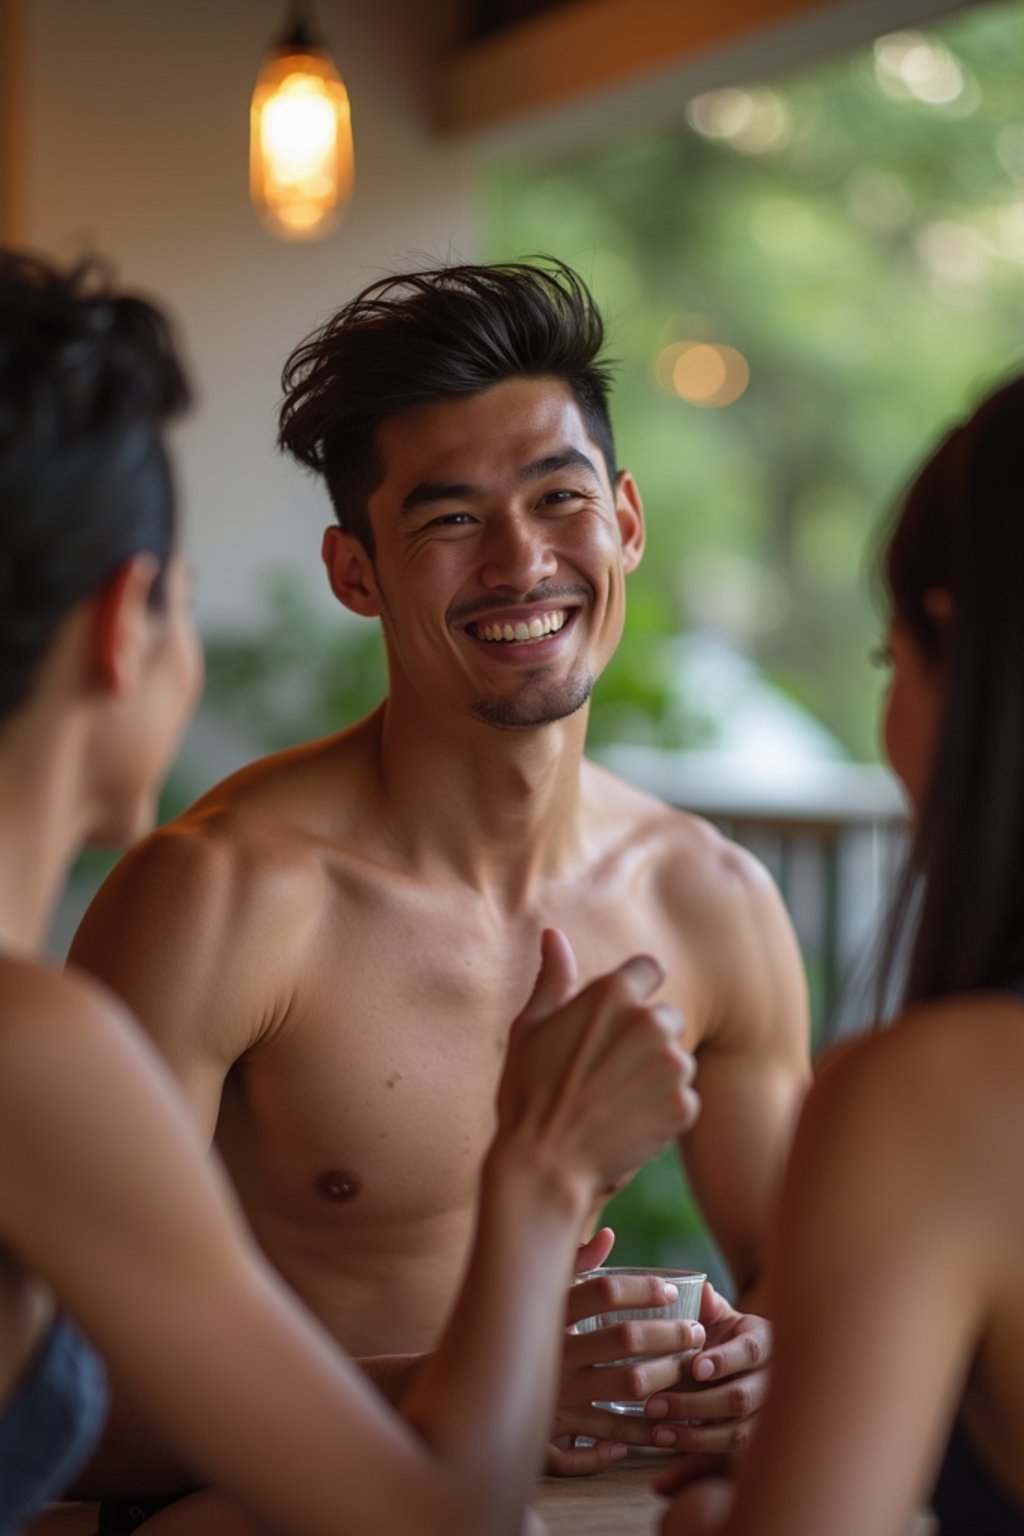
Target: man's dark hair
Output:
{"points": [[958, 916], [435, 335], [88, 377]]}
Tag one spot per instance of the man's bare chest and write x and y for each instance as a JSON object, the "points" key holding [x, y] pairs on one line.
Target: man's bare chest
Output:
{"points": [[373, 1099]]}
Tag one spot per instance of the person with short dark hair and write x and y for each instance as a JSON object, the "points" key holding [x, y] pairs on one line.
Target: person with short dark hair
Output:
{"points": [[897, 1263], [118, 1236], [327, 946]]}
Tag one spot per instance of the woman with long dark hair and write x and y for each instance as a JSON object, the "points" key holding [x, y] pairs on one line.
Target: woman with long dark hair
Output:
{"points": [[115, 1227], [898, 1255]]}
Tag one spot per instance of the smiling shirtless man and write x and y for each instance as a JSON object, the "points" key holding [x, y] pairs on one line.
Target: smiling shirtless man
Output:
{"points": [[329, 946]]}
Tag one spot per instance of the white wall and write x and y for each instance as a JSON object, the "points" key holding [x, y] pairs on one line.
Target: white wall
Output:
{"points": [[135, 145]]}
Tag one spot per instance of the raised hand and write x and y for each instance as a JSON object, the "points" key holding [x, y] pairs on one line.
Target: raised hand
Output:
{"points": [[596, 1079]]}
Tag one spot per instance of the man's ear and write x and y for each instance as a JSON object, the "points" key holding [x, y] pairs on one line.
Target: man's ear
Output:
{"points": [[120, 629], [629, 513], [350, 573]]}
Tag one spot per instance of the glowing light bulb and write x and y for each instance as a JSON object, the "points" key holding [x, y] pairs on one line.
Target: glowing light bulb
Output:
{"points": [[301, 161]]}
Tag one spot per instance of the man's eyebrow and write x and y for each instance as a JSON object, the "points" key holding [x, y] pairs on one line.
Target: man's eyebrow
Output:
{"points": [[429, 492], [569, 458]]}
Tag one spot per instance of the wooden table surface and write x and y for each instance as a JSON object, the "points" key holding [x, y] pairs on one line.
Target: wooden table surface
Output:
{"points": [[617, 1503]]}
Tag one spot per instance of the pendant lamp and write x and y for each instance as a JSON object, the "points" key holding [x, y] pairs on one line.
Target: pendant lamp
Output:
{"points": [[300, 147]]}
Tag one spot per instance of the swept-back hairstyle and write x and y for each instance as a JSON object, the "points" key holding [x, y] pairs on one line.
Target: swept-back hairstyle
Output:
{"points": [[87, 379], [424, 336], [961, 529]]}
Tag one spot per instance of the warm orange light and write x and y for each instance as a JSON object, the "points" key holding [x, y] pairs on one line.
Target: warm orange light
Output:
{"points": [[300, 148], [702, 372]]}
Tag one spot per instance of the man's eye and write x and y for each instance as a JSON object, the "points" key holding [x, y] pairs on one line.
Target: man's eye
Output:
{"points": [[451, 520], [560, 498]]}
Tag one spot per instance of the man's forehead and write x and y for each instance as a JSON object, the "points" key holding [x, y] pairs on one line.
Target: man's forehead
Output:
{"points": [[501, 430]]}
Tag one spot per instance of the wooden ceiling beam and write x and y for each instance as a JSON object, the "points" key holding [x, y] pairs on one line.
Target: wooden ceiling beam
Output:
{"points": [[584, 48]]}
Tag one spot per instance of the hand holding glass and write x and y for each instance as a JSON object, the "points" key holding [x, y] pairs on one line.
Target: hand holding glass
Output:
{"points": [[689, 1286]]}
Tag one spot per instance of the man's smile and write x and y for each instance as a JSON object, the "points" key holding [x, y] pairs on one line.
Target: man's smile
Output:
{"points": [[518, 630]]}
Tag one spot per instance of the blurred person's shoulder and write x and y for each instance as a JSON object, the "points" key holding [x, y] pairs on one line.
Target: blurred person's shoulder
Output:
{"points": [[942, 1087], [44, 1007]]}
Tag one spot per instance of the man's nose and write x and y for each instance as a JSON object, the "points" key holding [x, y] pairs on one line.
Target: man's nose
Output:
{"points": [[517, 554]]}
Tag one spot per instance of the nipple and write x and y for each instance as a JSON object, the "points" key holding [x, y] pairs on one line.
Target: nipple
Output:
{"points": [[337, 1184]]}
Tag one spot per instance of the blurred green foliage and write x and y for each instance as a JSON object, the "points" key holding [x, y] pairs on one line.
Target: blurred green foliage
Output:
{"points": [[301, 675], [862, 246]]}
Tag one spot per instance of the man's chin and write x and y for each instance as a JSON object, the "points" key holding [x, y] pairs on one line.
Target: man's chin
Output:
{"points": [[527, 712]]}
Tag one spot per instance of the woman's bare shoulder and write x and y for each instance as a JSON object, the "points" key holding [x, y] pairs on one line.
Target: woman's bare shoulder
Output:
{"points": [[51, 1020], [926, 1113], [966, 1050]]}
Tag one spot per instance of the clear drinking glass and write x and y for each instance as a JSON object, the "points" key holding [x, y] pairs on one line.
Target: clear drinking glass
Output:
{"points": [[688, 1282]]}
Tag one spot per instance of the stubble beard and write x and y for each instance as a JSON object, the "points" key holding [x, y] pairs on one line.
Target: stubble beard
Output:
{"points": [[534, 706]]}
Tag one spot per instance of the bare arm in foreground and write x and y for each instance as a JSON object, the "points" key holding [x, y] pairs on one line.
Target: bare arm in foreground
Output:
{"points": [[142, 1244]]}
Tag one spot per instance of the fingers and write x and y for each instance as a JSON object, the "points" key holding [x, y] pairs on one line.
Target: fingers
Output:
{"points": [[607, 1292], [727, 1437], [557, 979], [737, 1398], [643, 975], [628, 1381], [749, 1349], [592, 1254], [566, 1459], [601, 1425], [718, 1419], [600, 1074], [631, 1339]]}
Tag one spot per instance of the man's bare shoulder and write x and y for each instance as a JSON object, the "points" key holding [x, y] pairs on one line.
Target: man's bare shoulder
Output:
{"points": [[251, 849], [309, 793], [221, 905], [727, 909], [700, 873]]}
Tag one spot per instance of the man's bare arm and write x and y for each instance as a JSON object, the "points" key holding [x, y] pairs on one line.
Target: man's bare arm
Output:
{"points": [[754, 1060], [753, 1069]]}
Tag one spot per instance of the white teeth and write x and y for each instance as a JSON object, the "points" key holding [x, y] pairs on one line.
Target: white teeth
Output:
{"points": [[546, 624]]}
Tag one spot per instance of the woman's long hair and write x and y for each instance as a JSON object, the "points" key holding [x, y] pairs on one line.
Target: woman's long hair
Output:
{"points": [[958, 915]]}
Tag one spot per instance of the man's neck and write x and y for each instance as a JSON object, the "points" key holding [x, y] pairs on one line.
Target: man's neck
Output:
{"points": [[500, 808]]}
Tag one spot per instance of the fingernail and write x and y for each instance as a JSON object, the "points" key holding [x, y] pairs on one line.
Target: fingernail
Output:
{"points": [[704, 1369], [646, 971], [669, 1291], [698, 1336], [617, 1452], [657, 1408], [664, 1437]]}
